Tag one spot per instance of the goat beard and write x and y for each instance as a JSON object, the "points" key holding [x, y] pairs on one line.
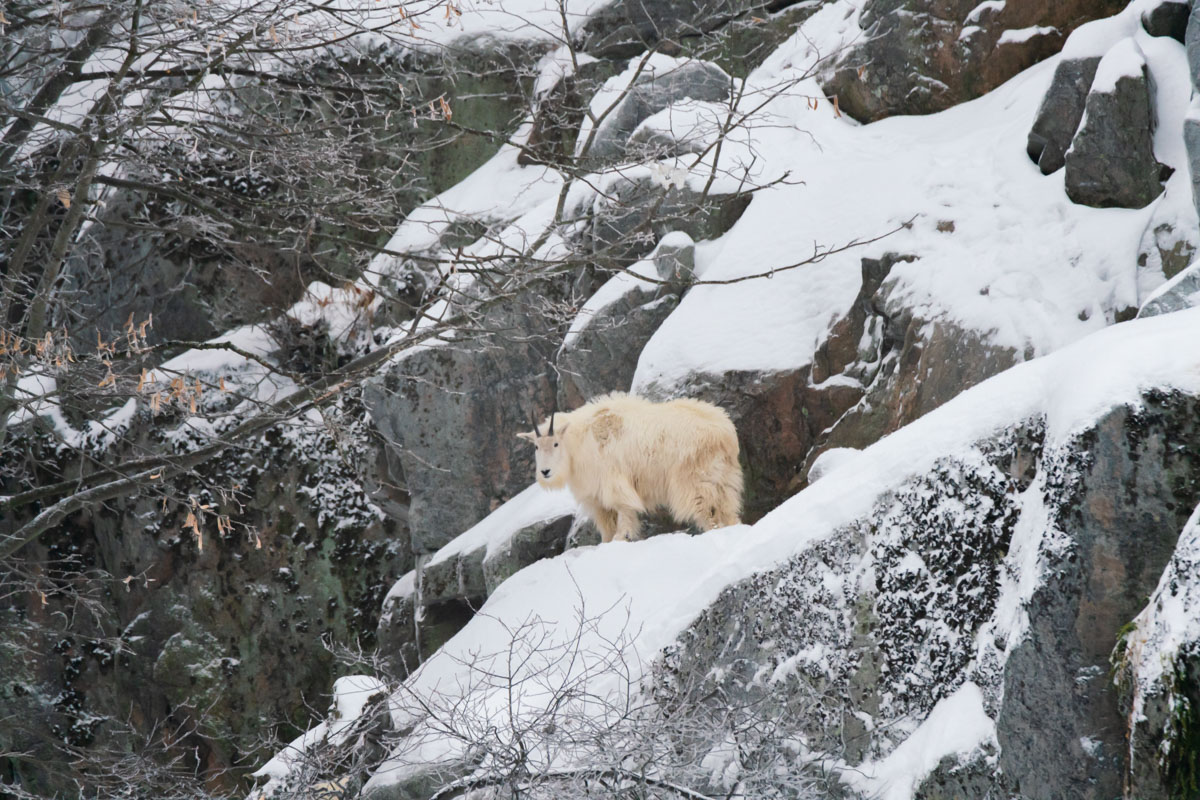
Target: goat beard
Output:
{"points": [[555, 482]]}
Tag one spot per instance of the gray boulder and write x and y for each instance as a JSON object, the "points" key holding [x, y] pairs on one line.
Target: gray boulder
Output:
{"points": [[1111, 160], [625, 28], [473, 572], [1192, 41], [603, 357], [1177, 294], [1191, 140], [560, 111], [1171, 239], [1191, 127], [638, 210], [657, 88], [454, 577], [1060, 112], [1121, 507], [447, 587], [396, 634], [905, 364], [1168, 18], [583, 533]]}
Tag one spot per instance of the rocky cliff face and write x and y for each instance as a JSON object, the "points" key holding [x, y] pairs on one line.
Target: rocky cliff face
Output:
{"points": [[949, 613]]}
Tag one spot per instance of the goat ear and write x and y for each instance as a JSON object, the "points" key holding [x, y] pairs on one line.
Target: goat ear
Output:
{"points": [[563, 428], [526, 435]]}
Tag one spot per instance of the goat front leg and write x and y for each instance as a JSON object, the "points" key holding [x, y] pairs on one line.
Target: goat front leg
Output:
{"points": [[606, 522], [629, 529]]}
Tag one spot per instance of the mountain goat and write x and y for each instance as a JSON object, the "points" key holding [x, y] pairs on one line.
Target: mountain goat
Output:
{"points": [[621, 455]]}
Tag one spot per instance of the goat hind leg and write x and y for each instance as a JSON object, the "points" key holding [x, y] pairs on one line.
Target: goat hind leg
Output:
{"points": [[712, 508]]}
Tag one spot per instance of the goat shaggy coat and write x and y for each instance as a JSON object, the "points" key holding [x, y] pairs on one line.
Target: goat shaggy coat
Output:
{"points": [[622, 455]]}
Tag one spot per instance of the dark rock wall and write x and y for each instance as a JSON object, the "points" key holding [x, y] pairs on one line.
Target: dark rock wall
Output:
{"points": [[211, 643]]}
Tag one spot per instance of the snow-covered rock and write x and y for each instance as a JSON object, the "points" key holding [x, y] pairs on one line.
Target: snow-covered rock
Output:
{"points": [[1111, 159], [923, 56], [972, 570], [645, 88], [1167, 18], [1157, 664], [928, 615]]}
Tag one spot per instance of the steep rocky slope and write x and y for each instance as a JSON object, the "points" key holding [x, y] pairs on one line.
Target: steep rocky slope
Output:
{"points": [[940, 616]]}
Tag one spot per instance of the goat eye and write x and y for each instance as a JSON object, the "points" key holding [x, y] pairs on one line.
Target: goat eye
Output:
{"points": [[556, 444]]}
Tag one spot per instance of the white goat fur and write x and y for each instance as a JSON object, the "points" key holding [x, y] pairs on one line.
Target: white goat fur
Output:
{"points": [[622, 455]]}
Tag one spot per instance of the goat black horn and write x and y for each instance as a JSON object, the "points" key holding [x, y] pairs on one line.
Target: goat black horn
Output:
{"points": [[551, 423], [533, 421]]}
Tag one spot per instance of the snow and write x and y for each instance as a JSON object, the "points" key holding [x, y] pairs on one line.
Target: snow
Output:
{"points": [[345, 311], [1124, 60], [1022, 266], [693, 124], [350, 696], [1097, 37], [615, 89], [988, 6], [531, 506], [621, 284], [500, 188], [556, 65], [958, 725], [1024, 573], [405, 587], [611, 292], [831, 460], [1022, 35], [36, 397]]}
